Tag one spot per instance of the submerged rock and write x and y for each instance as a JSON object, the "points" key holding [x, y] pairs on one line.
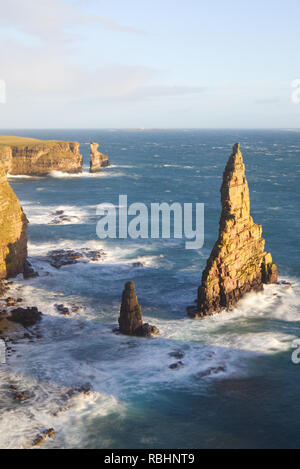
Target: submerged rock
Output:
{"points": [[212, 371], [131, 319], [66, 311], [85, 390], [98, 160], [62, 257], [177, 354], [43, 436], [176, 366], [62, 309], [238, 263], [60, 218]]}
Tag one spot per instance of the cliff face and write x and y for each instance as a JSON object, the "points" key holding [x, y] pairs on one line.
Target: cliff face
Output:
{"points": [[98, 160], [238, 263], [13, 231], [38, 158]]}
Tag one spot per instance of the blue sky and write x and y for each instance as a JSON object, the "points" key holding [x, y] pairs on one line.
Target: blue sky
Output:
{"points": [[192, 63]]}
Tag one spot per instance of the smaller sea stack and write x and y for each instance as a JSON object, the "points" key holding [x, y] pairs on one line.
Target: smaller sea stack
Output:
{"points": [[98, 160], [131, 319]]}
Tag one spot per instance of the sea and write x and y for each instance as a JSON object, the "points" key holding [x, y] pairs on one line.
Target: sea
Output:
{"points": [[238, 386]]}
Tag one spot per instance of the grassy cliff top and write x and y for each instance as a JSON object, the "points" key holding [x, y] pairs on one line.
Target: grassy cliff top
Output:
{"points": [[9, 140]]}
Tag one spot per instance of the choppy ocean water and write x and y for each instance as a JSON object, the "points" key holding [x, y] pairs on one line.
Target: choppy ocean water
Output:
{"points": [[239, 387]]}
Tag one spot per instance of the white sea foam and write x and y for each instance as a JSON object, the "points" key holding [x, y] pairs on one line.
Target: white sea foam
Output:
{"points": [[107, 172], [41, 214], [11, 176], [118, 367]]}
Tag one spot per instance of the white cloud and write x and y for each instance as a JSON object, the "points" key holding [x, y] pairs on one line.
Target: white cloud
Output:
{"points": [[48, 19]]}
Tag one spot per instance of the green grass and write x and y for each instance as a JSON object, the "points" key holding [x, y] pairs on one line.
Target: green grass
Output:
{"points": [[9, 140]]}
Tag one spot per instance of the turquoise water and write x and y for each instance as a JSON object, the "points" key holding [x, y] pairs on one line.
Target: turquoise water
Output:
{"points": [[238, 387]]}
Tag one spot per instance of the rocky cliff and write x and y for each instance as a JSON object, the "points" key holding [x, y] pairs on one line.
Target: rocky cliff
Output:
{"points": [[13, 231], [26, 156], [238, 263], [98, 160]]}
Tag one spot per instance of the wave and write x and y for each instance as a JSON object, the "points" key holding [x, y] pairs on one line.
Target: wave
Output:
{"points": [[121, 368], [20, 176], [105, 173], [57, 214]]}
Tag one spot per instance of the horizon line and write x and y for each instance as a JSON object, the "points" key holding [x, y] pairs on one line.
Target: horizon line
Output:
{"points": [[145, 129]]}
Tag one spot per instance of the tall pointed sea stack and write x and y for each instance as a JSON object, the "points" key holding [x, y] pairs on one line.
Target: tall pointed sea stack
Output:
{"points": [[238, 263], [131, 319], [98, 160]]}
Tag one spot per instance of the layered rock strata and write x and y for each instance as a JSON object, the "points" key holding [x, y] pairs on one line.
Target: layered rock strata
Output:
{"points": [[13, 231], [131, 319], [238, 263], [31, 157], [98, 160]]}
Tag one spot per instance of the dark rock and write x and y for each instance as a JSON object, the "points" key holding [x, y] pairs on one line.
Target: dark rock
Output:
{"points": [[85, 389], [28, 271], [131, 320], [177, 354], [137, 265], [4, 287], [61, 218], [212, 371], [23, 396], [176, 366], [10, 301], [43, 436], [62, 309], [284, 282], [27, 317], [192, 311], [61, 257]]}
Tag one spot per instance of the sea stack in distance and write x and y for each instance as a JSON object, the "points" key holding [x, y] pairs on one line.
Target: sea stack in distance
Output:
{"points": [[98, 160], [131, 319], [238, 263]]}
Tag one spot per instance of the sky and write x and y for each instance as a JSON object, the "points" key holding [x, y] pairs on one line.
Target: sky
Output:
{"points": [[142, 64]]}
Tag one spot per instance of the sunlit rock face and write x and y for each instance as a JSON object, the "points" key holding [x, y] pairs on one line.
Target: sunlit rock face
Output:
{"points": [[13, 231], [238, 263], [98, 160], [31, 157]]}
